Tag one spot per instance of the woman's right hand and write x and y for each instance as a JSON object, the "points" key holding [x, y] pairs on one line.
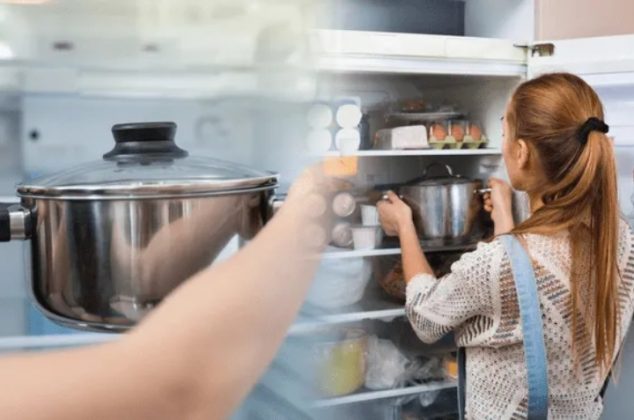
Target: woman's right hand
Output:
{"points": [[394, 214], [499, 203]]}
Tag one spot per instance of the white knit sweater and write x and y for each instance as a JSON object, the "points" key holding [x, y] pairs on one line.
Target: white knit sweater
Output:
{"points": [[477, 300]]}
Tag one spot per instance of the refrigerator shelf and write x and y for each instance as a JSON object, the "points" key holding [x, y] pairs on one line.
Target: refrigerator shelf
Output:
{"points": [[428, 247], [388, 393], [375, 304], [417, 152]]}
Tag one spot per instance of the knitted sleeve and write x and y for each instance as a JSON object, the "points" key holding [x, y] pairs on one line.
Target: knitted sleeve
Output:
{"points": [[466, 299]]}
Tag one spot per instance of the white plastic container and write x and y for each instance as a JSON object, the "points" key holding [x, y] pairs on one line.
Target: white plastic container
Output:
{"points": [[348, 140], [348, 116], [407, 137], [366, 237], [319, 116], [369, 215]]}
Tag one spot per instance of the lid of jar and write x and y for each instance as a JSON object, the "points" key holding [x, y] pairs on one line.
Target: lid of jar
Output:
{"points": [[146, 163]]}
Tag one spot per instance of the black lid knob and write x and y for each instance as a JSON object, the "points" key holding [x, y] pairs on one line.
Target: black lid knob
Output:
{"points": [[147, 140]]}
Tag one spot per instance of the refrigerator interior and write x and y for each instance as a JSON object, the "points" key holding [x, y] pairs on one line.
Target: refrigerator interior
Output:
{"points": [[483, 100]]}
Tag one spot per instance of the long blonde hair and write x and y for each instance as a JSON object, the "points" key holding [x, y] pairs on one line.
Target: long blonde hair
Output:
{"points": [[548, 112]]}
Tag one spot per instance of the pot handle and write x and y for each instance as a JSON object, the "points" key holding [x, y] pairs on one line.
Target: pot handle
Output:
{"points": [[15, 222], [482, 191], [274, 204]]}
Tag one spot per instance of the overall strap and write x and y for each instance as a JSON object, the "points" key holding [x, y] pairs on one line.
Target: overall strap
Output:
{"points": [[532, 330], [532, 327]]}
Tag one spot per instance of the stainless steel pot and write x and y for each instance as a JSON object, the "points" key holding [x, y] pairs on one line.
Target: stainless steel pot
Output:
{"points": [[110, 239], [443, 207]]}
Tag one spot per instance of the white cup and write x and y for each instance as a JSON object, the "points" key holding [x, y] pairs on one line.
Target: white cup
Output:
{"points": [[366, 237], [369, 215]]}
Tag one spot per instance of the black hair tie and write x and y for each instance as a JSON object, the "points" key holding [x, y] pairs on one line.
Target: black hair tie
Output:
{"points": [[591, 124]]}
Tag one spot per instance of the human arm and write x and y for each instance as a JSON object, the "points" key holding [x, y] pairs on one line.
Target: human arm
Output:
{"points": [[465, 297], [396, 220], [196, 355], [500, 204]]}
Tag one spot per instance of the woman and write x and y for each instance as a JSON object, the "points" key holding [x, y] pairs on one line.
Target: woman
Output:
{"points": [[555, 149], [197, 355]]}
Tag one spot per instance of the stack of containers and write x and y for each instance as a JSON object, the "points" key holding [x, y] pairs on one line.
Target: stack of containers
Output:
{"points": [[348, 117], [335, 120], [319, 119], [369, 234]]}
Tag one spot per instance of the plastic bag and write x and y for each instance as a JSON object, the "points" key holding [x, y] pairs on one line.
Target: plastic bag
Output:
{"points": [[385, 364]]}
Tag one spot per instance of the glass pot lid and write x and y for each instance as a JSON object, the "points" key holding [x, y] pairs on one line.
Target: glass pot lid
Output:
{"points": [[145, 163], [448, 178]]}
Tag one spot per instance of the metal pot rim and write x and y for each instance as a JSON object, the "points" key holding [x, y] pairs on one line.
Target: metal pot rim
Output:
{"points": [[149, 190]]}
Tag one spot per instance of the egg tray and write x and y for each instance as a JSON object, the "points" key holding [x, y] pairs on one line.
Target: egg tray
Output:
{"points": [[451, 143]]}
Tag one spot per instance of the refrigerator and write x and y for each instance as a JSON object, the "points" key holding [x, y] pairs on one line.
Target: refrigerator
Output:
{"points": [[63, 87]]}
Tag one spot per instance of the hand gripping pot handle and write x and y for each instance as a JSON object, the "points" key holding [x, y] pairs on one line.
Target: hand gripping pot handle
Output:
{"points": [[15, 222]]}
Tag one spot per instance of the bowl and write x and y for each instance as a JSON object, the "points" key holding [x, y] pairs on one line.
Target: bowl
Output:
{"points": [[339, 282]]}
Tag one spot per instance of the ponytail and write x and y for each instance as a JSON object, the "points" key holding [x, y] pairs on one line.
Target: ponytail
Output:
{"points": [[549, 112]]}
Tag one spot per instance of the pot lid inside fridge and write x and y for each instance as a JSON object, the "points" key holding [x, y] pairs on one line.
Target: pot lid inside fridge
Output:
{"points": [[147, 163]]}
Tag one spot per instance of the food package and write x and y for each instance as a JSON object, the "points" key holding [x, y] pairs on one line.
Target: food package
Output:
{"points": [[341, 362], [406, 137], [385, 364]]}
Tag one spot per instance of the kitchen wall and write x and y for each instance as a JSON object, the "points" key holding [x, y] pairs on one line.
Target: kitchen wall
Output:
{"points": [[561, 19]]}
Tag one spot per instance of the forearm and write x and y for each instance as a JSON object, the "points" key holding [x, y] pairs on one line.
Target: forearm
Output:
{"points": [[247, 304], [110, 381], [503, 223], [414, 260]]}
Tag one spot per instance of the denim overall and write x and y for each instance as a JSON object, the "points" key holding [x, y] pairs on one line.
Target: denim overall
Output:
{"points": [[532, 329]]}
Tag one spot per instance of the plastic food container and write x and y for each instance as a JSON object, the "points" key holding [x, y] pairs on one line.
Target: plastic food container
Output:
{"points": [[366, 237], [406, 137], [348, 140], [348, 115], [341, 362]]}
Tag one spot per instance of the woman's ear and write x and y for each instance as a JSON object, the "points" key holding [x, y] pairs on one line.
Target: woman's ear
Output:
{"points": [[522, 154]]}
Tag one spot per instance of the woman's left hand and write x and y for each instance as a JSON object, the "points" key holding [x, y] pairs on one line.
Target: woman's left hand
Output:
{"points": [[394, 214]]}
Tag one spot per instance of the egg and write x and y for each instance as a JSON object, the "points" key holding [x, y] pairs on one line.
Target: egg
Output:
{"points": [[475, 132], [457, 131], [438, 131]]}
